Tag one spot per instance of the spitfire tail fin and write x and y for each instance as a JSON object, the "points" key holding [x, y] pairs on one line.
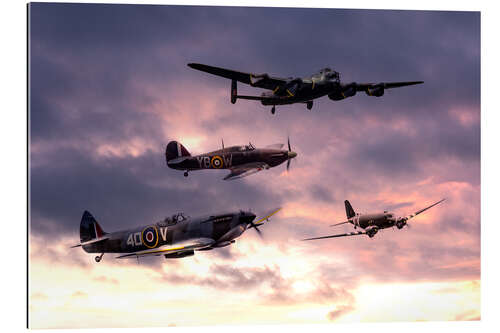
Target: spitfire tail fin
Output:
{"points": [[348, 210], [175, 150], [89, 228]]}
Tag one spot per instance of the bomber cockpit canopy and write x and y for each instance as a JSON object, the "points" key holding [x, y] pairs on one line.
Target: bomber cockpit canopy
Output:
{"points": [[328, 73]]}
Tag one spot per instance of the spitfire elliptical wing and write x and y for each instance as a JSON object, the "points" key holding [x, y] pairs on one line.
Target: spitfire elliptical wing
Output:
{"points": [[246, 170], [193, 244], [339, 235], [255, 80], [406, 218]]}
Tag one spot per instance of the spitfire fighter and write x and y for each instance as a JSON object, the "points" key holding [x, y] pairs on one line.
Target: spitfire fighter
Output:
{"points": [[241, 160], [177, 236], [298, 90], [373, 222]]}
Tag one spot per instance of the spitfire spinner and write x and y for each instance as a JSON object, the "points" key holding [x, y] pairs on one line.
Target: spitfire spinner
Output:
{"points": [[241, 160], [177, 236], [298, 90], [372, 223]]}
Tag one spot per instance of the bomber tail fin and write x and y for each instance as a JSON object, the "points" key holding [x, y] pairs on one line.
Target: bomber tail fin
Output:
{"points": [[175, 150], [348, 210]]}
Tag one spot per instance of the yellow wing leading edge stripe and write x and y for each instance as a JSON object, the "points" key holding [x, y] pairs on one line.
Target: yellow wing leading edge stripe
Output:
{"points": [[260, 221]]}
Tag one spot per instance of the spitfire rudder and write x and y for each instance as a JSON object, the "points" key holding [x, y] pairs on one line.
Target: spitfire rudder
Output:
{"points": [[175, 150], [89, 228]]}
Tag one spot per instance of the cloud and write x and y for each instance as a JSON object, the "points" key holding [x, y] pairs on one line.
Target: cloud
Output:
{"points": [[339, 312]]}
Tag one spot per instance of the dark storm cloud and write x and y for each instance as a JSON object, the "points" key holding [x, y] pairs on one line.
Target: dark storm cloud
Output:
{"points": [[126, 192]]}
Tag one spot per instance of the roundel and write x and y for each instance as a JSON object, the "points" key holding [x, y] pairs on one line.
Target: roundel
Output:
{"points": [[150, 237], [216, 162]]}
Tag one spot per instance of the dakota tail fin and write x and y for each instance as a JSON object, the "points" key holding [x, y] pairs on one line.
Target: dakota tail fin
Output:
{"points": [[348, 210], [89, 228], [175, 150]]}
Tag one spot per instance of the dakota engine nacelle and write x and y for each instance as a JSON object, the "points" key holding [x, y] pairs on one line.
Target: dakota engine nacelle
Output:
{"points": [[400, 223], [347, 91], [376, 91], [178, 255], [371, 232]]}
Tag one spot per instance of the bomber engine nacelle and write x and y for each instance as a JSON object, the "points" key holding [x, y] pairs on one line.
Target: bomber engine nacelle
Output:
{"points": [[178, 255], [376, 91], [347, 91], [256, 79]]}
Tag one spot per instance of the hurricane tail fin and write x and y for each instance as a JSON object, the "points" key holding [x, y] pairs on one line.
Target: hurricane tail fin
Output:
{"points": [[175, 150], [348, 210]]}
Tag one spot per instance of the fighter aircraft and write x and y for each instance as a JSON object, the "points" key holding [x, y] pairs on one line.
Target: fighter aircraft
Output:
{"points": [[373, 222], [298, 90], [241, 160], [177, 236]]}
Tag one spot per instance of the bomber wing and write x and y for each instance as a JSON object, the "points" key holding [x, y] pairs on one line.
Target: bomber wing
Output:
{"points": [[385, 85], [255, 80], [339, 235], [192, 244], [245, 170]]}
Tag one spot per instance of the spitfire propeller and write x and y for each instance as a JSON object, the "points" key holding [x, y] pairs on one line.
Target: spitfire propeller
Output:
{"points": [[291, 154]]}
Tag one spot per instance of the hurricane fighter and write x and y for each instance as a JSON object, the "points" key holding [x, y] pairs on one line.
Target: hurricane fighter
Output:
{"points": [[177, 236], [298, 90], [240, 160], [373, 222]]}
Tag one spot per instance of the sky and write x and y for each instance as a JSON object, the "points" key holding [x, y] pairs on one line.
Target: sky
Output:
{"points": [[109, 88]]}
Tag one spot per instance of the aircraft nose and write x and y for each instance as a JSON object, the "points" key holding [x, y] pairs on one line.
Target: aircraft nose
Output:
{"points": [[292, 154], [247, 217]]}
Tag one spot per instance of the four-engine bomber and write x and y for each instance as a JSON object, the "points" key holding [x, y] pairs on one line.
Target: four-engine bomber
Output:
{"points": [[298, 90]]}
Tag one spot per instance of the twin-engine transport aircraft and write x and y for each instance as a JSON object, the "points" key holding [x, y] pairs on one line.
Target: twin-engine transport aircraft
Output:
{"points": [[298, 90], [174, 237], [372, 223], [241, 160]]}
